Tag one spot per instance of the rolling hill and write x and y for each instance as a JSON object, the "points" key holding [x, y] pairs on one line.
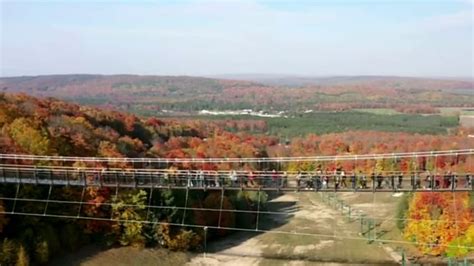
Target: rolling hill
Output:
{"points": [[151, 94]]}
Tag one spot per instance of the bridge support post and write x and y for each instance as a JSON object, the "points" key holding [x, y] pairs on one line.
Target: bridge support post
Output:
{"points": [[83, 176], [50, 176], [373, 183], [134, 177], [3, 175], [101, 178], [453, 184], [18, 176], [35, 175], [369, 230], [67, 178]]}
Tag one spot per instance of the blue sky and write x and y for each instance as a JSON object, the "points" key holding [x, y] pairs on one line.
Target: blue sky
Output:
{"points": [[317, 38]]}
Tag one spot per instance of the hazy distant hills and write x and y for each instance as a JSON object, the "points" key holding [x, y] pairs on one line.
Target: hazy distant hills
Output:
{"points": [[267, 92], [395, 81]]}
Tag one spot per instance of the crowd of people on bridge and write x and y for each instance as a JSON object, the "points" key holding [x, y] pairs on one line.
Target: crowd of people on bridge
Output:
{"points": [[309, 180], [337, 179]]}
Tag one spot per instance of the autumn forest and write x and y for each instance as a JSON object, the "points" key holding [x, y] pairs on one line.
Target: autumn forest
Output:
{"points": [[123, 117]]}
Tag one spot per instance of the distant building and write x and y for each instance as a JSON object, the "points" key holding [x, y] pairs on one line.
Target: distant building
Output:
{"points": [[466, 120]]}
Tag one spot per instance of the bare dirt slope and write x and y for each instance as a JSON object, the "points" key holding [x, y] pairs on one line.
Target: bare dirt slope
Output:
{"points": [[314, 226]]}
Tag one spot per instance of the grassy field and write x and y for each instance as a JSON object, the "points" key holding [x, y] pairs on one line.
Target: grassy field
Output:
{"points": [[378, 111], [330, 122], [455, 111]]}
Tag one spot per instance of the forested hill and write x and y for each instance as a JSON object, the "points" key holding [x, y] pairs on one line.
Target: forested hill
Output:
{"points": [[149, 94], [53, 127]]}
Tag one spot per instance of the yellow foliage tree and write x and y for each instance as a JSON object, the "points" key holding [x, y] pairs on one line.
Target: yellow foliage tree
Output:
{"points": [[22, 257], [32, 140]]}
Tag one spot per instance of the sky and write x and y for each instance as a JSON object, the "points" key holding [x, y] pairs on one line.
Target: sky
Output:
{"points": [[429, 38]]}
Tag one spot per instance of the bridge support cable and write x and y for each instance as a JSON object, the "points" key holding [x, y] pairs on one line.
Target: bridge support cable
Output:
{"points": [[185, 206], [436, 174], [234, 229], [374, 210], [24, 157], [47, 200], [162, 207], [456, 224], [16, 197], [374, 177], [114, 198], [220, 208], [149, 204], [332, 202], [258, 210], [3, 175], [80, 203], [416, 177]]}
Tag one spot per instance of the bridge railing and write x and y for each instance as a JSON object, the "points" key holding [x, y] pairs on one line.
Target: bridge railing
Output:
{"points": [[271, 180]]}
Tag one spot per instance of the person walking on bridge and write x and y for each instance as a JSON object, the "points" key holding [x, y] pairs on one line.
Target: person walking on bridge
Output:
{"points": [[354, 181], [233, 178], [189, 178], [284, 179], [200, 178], [298, 177], [343, 179], [379, 181], [468, 182]]}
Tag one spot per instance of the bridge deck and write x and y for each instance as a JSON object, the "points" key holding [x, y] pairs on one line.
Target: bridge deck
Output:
{"points": [[128, 179]]}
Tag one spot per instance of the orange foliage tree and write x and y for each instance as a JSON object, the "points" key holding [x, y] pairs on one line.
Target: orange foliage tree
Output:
{"points": [[436, 219]]}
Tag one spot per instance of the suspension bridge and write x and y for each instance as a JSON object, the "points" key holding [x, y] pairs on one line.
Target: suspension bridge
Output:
{"points": [[343, 173], [165, 173]]}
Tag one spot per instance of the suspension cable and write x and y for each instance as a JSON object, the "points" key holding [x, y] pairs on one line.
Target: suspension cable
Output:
{"points": [[227, 160]]}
